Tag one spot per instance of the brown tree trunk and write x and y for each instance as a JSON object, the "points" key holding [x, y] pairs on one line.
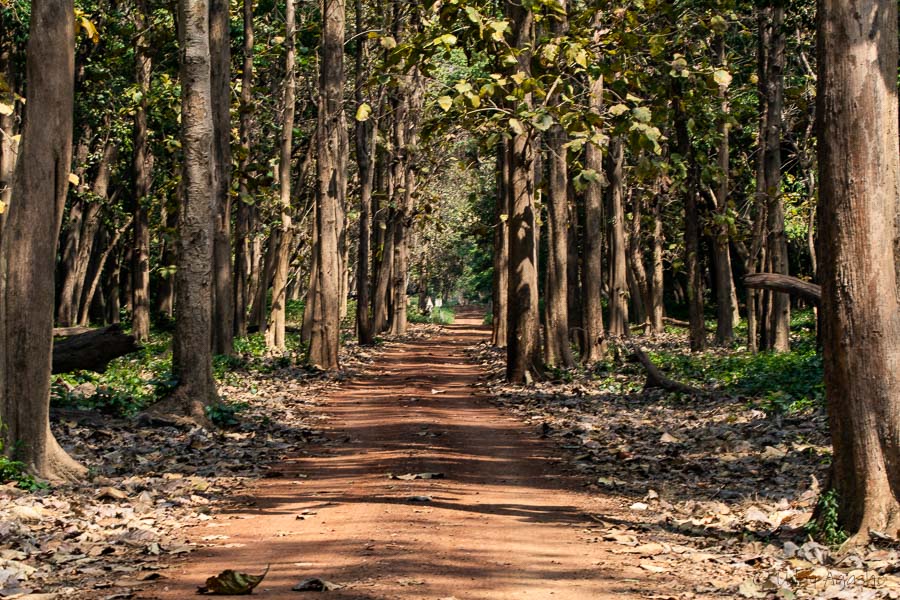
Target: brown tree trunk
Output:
{"points": [[640, 287], [8, 144], [29, 243], [242, 250], [381, 304], [725, 309], [778, 336], [657, 307], [331, 168], [859, 188], [192, 341], [691, 227], [523, 349], [275, 329], [557, 348], [592, 262], [66, 311], [143, 161], [223, 294], [365, 150], [70, 297], [618, 286], [83, 316], [501, 251]]}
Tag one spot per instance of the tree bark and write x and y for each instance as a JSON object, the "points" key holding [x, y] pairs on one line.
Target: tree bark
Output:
{"points": [[242, 250], [594, 333], [98, 274], [275, 328], [691, 227], [859, 194], [192, 342], [29, 244], [618, 286], [223, 293], [365, 150], [332, 183], [143, 160], [91, 350], [557, 348], [8, 144], [657, 306], [725, 308], [778, 336], [784, 284], [640, 287], [501, 251]]}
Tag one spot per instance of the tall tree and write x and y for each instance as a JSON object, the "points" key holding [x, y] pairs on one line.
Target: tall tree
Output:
{"points": [[332, 182], [500, 282], [594, 333], [29, 242], [142, 164], [618, 288], [557, 349], [192, 342], [858, 216], [275, 329], [220, 50], [365, 150], [243, 254], [779, 316], [725, 308], [523, 358]]}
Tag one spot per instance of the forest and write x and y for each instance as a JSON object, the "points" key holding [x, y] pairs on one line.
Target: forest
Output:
{"points": [[618, 280]]}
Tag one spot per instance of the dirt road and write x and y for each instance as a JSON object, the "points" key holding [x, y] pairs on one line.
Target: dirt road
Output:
{"points": [[504, 521]]}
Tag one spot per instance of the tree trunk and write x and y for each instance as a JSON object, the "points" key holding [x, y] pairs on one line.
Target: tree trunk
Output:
{"points": [[143, 160], [242, 249], [618, 286], [778, 335], [859, 184], [523, 348], [381, 304], [71, 293], [332, 183], [223, 298], [275, 330], [29, 243], [98, 274], [501, 251], [557, 349], [8, 144], [640, 287], [657, 307], [594, 334], [725, 309], [365, 150], [192, 342], [691, 227]]}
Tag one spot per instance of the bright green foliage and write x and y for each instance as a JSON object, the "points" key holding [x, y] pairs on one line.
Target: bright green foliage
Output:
{"points": [[225, 414], [826, 528], [13, 471], [443, 315]]}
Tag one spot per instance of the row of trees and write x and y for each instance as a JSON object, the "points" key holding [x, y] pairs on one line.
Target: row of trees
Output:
{"points": [[641, 152]]}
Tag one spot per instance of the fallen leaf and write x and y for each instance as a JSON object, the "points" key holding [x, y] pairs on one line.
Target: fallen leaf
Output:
{"points": [[232, 583]]}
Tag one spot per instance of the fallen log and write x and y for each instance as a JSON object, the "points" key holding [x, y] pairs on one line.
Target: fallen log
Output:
{"points": [[785, 284], [91, 350], [68, 331], [655, 378]]}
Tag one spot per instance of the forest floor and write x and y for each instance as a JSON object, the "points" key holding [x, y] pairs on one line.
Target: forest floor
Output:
{"points": [[417, 473]]}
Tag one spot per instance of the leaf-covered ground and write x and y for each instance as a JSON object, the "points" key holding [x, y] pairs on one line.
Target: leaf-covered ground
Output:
{"points": [[722, 484], [110, 535]]}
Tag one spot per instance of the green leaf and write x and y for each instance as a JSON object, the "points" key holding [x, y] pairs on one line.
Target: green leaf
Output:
{"points": [[618, 110], [722, 77], [363, 112], [542, 122], [445, 102], [642, 114]]}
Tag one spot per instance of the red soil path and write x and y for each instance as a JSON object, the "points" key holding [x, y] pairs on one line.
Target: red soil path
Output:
{"points": [[506, 522]]}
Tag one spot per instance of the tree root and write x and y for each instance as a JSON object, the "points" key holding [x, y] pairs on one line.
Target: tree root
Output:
{"points": [[655, 378]]}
